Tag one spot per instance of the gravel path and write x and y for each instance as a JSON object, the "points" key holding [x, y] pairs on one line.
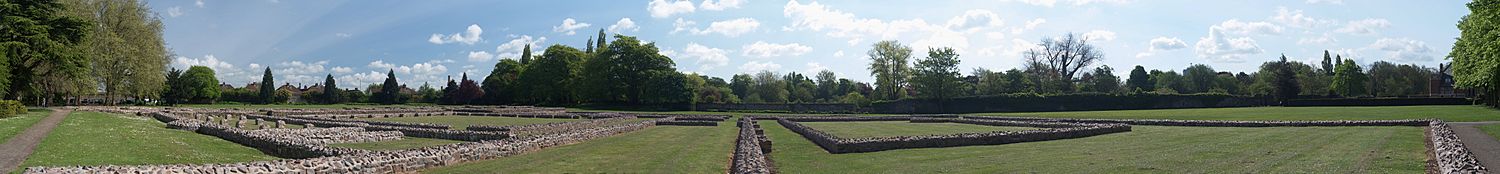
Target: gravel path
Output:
{"points": [[15, 150], [1485, 147]]}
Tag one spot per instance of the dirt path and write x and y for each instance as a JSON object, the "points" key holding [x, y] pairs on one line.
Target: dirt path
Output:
{"points": [[15, 150], [1485, 147]]}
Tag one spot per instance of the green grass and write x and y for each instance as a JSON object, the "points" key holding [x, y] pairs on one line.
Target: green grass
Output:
{"points": [[865, 129], [1492, 129], [1146, 149], [404, 143], [288, 106], [9, 127], [1447, 113], [461, 122], [93, 138], [717, 113], [660, 149]]}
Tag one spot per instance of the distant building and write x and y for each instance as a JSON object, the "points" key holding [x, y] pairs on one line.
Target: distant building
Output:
{"points": [[1441, 84]]}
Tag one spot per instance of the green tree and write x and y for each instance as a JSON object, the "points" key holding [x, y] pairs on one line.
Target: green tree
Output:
{"points": [[1016, 81], [1140, 80], [990, 82], [1199, 78], [600, 45], [937, 76], [625, 70], [1056, 61], [175, 91], [1389, 79], [390, 91], [589, 48], [331, 91], [201, 85], [1284, 80], [526, 54], [828, 85], [125, 44], [889, 64], [1169, 82], [551, 77], [1349, 79], [500, 87], [768, 88], [1476, 64], [1327, 64], [268, 87], [38, 44], [799, 87], [740, 84], [1104, 80]]}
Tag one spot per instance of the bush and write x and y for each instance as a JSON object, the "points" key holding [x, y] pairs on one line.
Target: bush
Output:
{"points": [[11, 108]]}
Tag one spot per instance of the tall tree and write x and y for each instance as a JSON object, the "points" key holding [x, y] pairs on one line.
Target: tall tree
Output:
{"points": [[551, 78], [526, 54], [1389, 79], [201, 85], [468, 91], [390, 91], [1200, 78], [267, 87], [827, 85], [125, 44], [1284, 80], [626, 69], [175, 90], [740, 84], [937, 76], [768, 88], [889, 64], [589, 48], [1104, 80], [331, 91], [1140, 80], [1327, 64], [1476, 53], [1058, 60], [600, 45], [500, 87], [39, 43], [1349, 79]]}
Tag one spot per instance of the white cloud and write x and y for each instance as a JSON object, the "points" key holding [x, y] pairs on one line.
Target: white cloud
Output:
{"points": [[198, 3], [625, 24], [731, 28], [721, 5], [1325, 39], [1160, 44], [814, 68], [255, 66], [380, 64], [1364, 27], [1335, 2], [361, 80], [301, 68], [174, 11], [1297, 19], [183, 63], [1100, 35], [1051, 3], [974, 20], [664, 9], [469, 36], [763, 50], [1218, 47], [1404, 49], [682, 25], [343, 35], [513, 48], [569, 26], [838, 24], [840, 53], [1234, 26], [480, 56], [757, 66], [1029, 26], [342, 70], [708, 58]]}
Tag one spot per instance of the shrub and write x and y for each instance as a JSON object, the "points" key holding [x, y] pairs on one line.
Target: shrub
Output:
{"points": [[11, 108]]}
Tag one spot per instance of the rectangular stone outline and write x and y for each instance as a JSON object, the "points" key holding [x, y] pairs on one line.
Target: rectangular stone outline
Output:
{"points": [[1056, 131]]}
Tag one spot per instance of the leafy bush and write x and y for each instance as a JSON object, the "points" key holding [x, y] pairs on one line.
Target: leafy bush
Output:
{"points": [[11, 108]]}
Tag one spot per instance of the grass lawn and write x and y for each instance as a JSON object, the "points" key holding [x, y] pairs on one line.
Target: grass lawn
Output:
{"points": [[1492, 129], [660, 149], [1447, 113], [461, 122], [93, 138], [865, 129], [9, 127], [1146, 149], [404, 143]]}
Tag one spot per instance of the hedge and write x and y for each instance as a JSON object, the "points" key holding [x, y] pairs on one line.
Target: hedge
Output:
{"points": [[11, 108]]}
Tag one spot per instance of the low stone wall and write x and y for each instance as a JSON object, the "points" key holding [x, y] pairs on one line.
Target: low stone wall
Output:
{"points": [[382, 123], [547, 128], [280, 145], [1449, 152], [1218, 123], [834, 144], [463, 135], [752, 149], [715, 118], [403, 161], [687, 123], [332, 135]]}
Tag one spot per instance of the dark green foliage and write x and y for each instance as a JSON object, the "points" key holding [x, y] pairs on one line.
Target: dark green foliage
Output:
{"points": [[1140, 80], [1349, 79], [176, 90], [937, 77], [390, 91], [500, 87], [201, 85], [11, 108], [331, 91], [1199, 78], [1103, 80], [1284, 80], [551, 78], [267, 87], [828, 86], [889, 64], [37, 43], [1327, 64], [526, 54], [625, 71], [740, 84], [1388, 79], [1077, 102]]}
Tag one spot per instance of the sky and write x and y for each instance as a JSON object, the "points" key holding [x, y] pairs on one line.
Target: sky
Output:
{"points": [[358, 41]]}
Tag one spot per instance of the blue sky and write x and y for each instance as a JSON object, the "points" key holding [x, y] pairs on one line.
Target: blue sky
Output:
{"points": [[427, 41]]}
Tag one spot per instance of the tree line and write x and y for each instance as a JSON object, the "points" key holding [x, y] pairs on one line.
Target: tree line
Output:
{"points": [[54, 50]]}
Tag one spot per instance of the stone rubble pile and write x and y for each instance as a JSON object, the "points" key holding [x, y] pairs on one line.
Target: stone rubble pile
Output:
{"points": [[1218, 123], [548, 128], [332, 135], [752, 149], [463, 135], [1450, 154], [834, 144]]}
